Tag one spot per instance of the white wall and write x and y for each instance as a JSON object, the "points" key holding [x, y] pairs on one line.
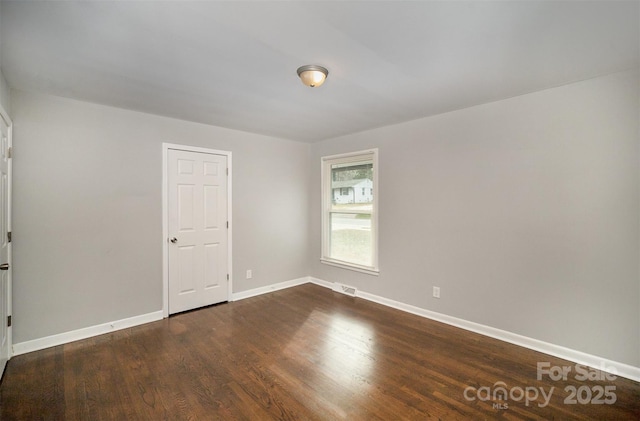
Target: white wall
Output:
{"points": [[526, 215], [88, 211], [5, 94], [5, 99]]}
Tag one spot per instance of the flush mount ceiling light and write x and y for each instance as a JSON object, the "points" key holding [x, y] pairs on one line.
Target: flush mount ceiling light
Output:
{"points": [[312, 75]]}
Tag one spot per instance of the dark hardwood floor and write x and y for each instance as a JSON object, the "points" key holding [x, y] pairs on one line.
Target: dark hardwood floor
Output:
{"points": [[305, 353]]}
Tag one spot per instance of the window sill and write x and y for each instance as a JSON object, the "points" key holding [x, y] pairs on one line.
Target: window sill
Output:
{"points": [[361, 269]]}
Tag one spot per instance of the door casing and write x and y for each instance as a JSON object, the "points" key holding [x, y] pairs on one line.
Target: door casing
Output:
{"points": [[165, 217], [9, 124]]}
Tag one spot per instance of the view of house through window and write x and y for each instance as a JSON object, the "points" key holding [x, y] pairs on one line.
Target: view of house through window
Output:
{"points": [[349, 202]]}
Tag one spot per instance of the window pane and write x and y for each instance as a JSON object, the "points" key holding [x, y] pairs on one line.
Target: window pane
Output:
{"points": [[350, 210], [352, 186], [351, 239]]}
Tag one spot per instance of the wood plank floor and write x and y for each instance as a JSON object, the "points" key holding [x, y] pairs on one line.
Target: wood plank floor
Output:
{"points": [[305, 353]]}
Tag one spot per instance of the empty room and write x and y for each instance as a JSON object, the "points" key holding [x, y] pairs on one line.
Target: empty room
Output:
{"points": [[319, 210]]}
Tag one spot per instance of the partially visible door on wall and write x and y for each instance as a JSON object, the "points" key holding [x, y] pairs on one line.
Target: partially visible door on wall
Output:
{"points": [[198, 229], [5, 264]]}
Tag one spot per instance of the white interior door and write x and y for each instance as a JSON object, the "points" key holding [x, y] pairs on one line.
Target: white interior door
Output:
{"points": [[5, 271], [198, 229]]}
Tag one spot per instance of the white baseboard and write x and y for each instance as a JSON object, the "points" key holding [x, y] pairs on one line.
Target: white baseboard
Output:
{"points": [[579, 357], [87, 332], [269, 288], [321, 282]]}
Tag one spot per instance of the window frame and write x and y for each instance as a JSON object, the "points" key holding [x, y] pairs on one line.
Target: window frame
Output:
{"points": [[326, 203]]}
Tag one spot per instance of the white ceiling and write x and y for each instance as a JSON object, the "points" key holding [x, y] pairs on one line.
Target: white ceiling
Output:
{"points": [[233, 64]]}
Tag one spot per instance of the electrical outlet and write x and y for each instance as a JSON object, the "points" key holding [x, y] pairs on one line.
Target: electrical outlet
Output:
{"points": [[436, 292], [249, 274]]}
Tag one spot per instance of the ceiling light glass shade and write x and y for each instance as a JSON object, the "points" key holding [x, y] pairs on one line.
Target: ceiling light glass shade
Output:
{"points": [[312, 76]]}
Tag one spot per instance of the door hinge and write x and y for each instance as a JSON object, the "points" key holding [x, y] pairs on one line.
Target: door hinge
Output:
{"points": [[227, 171], [8, 321], [227, 224], [9, 236], [227, 276], [10, 152]]}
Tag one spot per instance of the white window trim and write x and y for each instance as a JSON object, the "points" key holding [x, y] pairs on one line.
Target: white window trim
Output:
{"points": [[325, 174]]}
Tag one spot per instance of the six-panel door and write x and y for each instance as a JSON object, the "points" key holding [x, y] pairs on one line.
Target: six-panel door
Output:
{"points": [[198, 232], [4, 244]]}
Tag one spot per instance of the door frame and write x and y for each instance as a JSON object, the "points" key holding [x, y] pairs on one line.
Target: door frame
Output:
{"points": [[165, 217], [7, 119]]}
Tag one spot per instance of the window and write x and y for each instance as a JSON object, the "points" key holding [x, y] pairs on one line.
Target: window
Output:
{"points": [[350, 222]]}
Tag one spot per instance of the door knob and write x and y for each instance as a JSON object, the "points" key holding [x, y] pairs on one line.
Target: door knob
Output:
{"points": [[174, 240], [4, 266]]}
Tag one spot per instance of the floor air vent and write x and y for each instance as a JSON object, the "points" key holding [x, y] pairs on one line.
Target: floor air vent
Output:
{"points": [[345, 289]]}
